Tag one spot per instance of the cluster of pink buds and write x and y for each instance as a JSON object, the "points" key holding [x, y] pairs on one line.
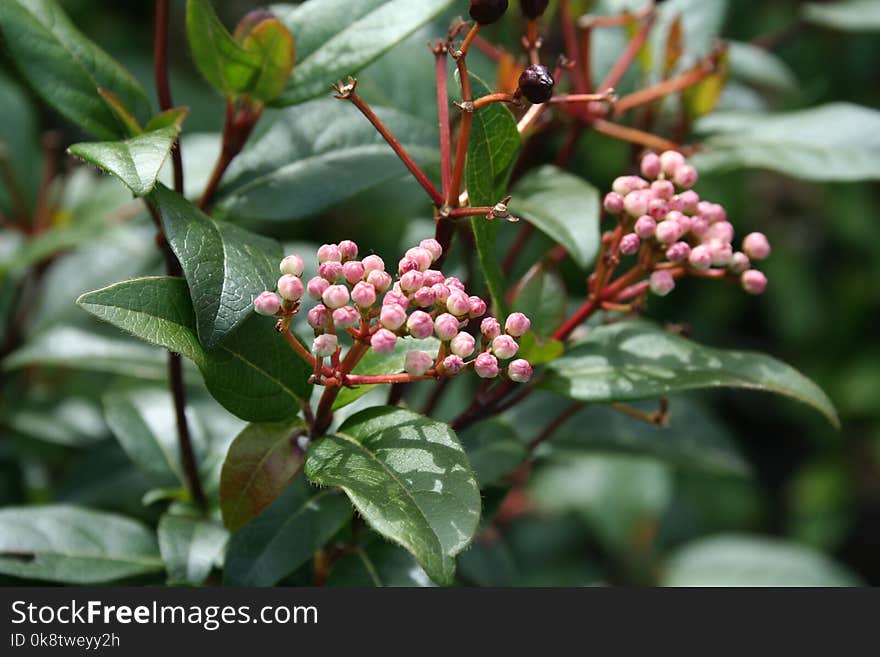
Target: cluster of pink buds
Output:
{"points": [[376, 309], [674, 232]]}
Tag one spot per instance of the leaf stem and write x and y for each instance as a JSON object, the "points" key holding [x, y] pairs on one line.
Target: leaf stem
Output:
{"points": [[240, 120], [163, 88], [440, 54], [629, 54], [555, 425], [635, 136], [658, 91]]}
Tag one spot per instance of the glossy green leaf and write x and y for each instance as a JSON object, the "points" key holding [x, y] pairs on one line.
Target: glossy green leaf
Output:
{"points": [[66, 69], [379, 564], [834, 142], [19, 140], [331, 48], [848, 15], [73, 545], [563, 206], [190, 547], [292, 166], [539, 351], [253, 373], [135, 161], [541, 294], [760, 67], [275, 49], [73, 422], [742, 560], [260, 463], [285, 535], [638, 360], [408, 477], [494, 450], [226, 267]]}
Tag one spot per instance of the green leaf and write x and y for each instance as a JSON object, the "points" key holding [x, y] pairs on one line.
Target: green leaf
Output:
{"points": [[326, 52], [285, 535], [492, 152], [73, 545], [542, 295], [226, 267], [253, 373], [539, 351], [66, 69], [73, 422], [135, 161], [493, 449], [375, 363], [379, 564], [190, 547], [742, 560], [638, 360], [760, 67], [261, 462], [701, 22], [291, 168], [275, 49], [408, 477], [834, 142], [849, 15], [564, 207]]}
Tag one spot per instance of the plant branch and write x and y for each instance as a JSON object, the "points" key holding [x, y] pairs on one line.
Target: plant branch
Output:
{"points": [[658, 91], [440, 54], [635, 136], [163, 88], [240, 121], [555, 425], [629, 54]]}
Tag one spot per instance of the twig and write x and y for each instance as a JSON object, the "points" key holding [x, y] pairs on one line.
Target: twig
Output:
{"points": [[555, 425]]}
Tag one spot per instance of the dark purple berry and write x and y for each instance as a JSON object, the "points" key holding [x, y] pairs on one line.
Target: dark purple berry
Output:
{"points": [[487, 11], [536, 84], [533, 8]]}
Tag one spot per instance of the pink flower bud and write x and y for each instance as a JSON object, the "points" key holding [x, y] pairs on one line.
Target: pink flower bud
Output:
{"points": [[739, 263], [411, 281], [645, 226], [433, 277], [700, 257], [504, 347], [626, 184], [292, 265], [267, 304], [663, 189], [486, 366], [636, 203], [629, 244], [364, 295], [329, 253], [454, 284], [335, 296], [316, 287], [699, 227], [720, 230], [753, 281], [395, 298], [658, 208], [373, 263], [517, 324], [383, 341], [519, 370], [406, 265], [353, 270], [613, 203], [756, 246], [433, 247], [420, 325], [441, 292], [348, 250], [424, 297], [418, 362], [722, 253], [452, 365], [490, 328], [477, 307], [422, 256], [463, 344], [325, 345], [446, 327], [319, 317], [330, 271], [670, 161], [662, 283], [685, 176], [667, 231], [290, 287], [678, 252], [458, 304], [685, 222], [711, 212], [380, 280], [689, 200], [650, 165], [345, 317], [392, 316]]}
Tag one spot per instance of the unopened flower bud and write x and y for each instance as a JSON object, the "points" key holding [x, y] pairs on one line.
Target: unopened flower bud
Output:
{"points": [[711, 212], [722, 253], [739, 263], [319, 316], [348, 250], [700, 257], [699, 227], [267, 304], [325, 345], [290, 287], [490, 328], [626, 184], [454, 283], [486, 366], [383, 341], [335, 296], [753, 281], [433, 247], [613, 203], [678, 252], [629, 244], [420, 325], [380, 280], [650, 165], [417, 362], [345, 317], [292, 265], [458, 304], [477, 307], [721, 230], [658, 208], [329, 253], [685, 176], [411, 281], [636, 203], [373, 263], [441, 292], [517, 324], [688, 200], [364, 295], [452, 365], [519, 370], [392, 316], [446, 326], [395, 298], [353, 271], [423, 257], [406, 265], [667, 231], [663, 189], [504, 347], [670, 161], [316, 287], [330, 271], [756, 246], [424, 297], [433, 277], [662, 283], [463, 344], [645, 226]]}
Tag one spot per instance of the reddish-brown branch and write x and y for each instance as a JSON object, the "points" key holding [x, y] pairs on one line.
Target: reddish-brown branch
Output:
{"points": [[628, 55], [635, 136], [440, 54], [240, 122], [163, 88], [499, 97], [658, 91], [569, 35], [555, 425]]}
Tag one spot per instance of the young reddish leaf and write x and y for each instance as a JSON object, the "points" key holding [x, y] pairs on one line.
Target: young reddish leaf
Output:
{"points": [[273, 44]]}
